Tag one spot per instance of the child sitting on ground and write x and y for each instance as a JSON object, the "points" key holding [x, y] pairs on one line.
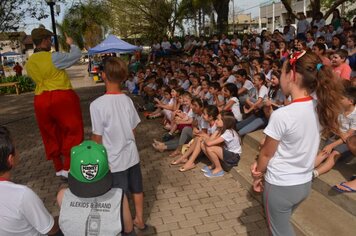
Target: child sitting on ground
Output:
{"points": [[210, 115], [255, 103], [204, 93], [229, 153], [131, 84], [336, 146], [195, 88], [216, 98], [349, 186], [166, 103], [231, 101], [182, 117], [198, 125]]}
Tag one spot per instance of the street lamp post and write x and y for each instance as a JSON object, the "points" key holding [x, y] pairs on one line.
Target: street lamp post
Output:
{"points": [[51, 4]]}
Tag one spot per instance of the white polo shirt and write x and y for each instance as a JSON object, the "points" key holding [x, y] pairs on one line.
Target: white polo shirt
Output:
{"points": [[297, 129]]}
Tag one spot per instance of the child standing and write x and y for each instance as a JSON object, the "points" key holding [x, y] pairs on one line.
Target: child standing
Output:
{"points": [[114, 118], [293, 137]]}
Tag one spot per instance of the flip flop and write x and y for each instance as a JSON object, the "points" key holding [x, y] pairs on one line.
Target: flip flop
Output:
{"points": [[212, 175], [353, 177], [349, 189], [145, 227], [182, 169], [178, 161], [206, 169]]}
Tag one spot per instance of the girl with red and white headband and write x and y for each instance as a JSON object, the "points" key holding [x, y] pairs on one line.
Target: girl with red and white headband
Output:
{"points": [[283, 171]]}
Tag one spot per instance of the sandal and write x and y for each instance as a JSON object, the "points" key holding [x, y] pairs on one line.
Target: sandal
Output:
{"points": [[174, 154], [178, 161], [184, 169]]}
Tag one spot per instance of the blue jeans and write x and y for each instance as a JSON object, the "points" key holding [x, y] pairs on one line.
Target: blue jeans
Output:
{"points": [[250, 124]]}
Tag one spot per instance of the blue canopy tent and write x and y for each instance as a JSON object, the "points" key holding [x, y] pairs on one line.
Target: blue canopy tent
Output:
{"points": [[6, 54], [113, 44]]}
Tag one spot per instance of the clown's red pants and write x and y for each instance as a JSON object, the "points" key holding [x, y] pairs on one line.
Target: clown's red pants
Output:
{"points": [[59, 119]]}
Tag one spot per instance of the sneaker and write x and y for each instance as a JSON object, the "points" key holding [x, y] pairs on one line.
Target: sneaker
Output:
{"points": [[205, 169], [65, 173], [59, 173], [211, 175], [167, 137]]}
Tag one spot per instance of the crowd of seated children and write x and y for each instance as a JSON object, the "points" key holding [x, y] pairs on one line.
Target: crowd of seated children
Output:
{"points": [[241, 78]]}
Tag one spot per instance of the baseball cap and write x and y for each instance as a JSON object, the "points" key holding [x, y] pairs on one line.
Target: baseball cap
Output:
{"points": [[40, 33], [89, 174]]}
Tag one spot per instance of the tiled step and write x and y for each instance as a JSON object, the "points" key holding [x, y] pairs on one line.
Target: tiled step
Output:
{"points": [[325, 212]]}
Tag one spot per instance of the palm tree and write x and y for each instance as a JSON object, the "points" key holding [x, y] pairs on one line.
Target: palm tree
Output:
{"points": [[192, 8], [86, 23]]}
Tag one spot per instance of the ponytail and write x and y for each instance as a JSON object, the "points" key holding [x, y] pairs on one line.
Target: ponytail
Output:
{"points": [[320, 79], [329, 93]]}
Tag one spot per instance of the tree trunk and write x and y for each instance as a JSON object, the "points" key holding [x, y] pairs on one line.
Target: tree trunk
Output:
{"points": [[333, 7], [199, 21], [203, 13], [287, 5], [222, 9]]}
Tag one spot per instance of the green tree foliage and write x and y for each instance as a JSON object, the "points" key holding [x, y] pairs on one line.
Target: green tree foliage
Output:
{"points": [[316, 6], [199, 8], [86, 23], [14, 12], [26, 84], [148, 18]]}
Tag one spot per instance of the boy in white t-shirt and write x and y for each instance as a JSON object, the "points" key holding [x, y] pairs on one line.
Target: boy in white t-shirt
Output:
{"points": [[21, 210], [336, 146], [114, 118]]}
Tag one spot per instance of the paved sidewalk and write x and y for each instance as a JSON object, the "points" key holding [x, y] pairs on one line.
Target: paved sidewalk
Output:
{"points": [[175, 203]]}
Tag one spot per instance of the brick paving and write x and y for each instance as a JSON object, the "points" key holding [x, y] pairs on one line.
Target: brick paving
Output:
{"points": [[175, 203]]}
